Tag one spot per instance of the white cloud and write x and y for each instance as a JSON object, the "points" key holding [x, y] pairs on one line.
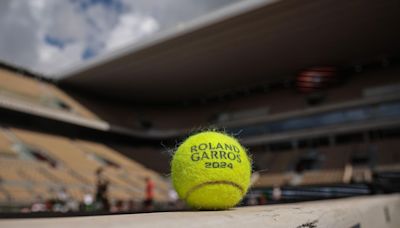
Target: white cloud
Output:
{"points": [[61, 58], [18, 33], [127, 30], [49, 36]]}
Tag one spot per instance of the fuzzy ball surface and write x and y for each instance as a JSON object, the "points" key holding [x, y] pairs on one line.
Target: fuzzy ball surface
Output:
{"points": [[211, 171]]}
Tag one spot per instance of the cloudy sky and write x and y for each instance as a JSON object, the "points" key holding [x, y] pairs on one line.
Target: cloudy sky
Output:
{"points": [[47, 36]]}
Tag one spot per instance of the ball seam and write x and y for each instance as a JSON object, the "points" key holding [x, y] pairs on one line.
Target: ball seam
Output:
{"points": [[194, 188]]}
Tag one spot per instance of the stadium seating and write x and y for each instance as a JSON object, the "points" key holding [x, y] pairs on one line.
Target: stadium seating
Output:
{"points": [[3, 196], [311, 177], [39, 93], [19, 194], [387, 151], [335, 157], [272, 179], [5, 146], [322, 177], [282, 161], [362, 175], [386, 168], [25, 179]]}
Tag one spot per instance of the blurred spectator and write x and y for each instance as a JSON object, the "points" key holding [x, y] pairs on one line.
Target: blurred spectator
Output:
{"points": [[87, 200], [131, 205], [276, 193], [118, 206], [148, 202], [72, 205], [251, 200], [60, 204], [65, 202], [173, 198], [262, 200], [296, 179], [38, 206], [101, 197], [25, 210], [62, 195], [88, 203], [49, 204]]}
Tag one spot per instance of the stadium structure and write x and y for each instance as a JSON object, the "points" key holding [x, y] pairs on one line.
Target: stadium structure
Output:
{"points": [[310, 88]]}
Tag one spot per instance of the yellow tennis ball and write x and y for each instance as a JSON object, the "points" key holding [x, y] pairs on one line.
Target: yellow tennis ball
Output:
{"points": [[211, 171]]}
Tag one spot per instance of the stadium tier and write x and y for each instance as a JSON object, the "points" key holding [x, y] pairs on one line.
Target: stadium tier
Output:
{"points": [[36, 166], [40, 93]]}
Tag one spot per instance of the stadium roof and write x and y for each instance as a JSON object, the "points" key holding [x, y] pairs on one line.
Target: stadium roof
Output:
{"points": [[245, 44]]}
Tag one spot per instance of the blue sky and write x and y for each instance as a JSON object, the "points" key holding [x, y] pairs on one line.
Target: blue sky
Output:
{"points": [[49, 36]]}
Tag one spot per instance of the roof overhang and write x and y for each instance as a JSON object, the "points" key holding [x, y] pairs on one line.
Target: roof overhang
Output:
{"points": [[243, 45]]}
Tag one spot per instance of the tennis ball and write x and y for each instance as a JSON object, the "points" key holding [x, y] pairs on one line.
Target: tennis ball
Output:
{"points": [[211, 171]]}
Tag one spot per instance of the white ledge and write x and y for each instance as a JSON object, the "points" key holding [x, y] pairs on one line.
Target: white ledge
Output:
{"points": [[360, 212], [33, 109]]}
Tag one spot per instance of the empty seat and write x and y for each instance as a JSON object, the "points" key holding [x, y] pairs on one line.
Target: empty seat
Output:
{"points": [[5, 147], [335, 157], [317, 177], [32, 172], [42, 192], [9, 172], [361, 175], [387, 152], [3, 197], [282, 161], [20, 194], [271, 180], [388, 168]]}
